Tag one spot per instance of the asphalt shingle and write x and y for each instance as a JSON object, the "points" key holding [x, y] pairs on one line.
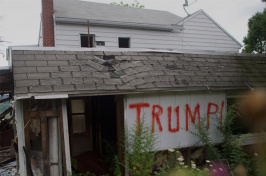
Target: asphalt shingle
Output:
{"points": [[118, 72]]}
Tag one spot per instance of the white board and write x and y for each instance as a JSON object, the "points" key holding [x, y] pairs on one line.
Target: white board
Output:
{"points": [[163, 111]]}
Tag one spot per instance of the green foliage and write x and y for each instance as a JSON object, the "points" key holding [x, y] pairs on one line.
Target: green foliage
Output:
{"points": [[177, 166], [203, 136], [136, 4], [255, 41], [75, 173], [231, 149], [186, 171], [139, 147], [116, 168]]}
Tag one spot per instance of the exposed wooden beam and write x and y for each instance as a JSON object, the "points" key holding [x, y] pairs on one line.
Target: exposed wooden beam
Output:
{"points": [[6, 79], [9, 120], [59, 105], [35, 114], [26, 124], [6, 88], [45, 146], [66, 136]]}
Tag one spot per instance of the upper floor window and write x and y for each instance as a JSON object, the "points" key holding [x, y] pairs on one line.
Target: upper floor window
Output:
{"points": [[84, 42], [124, 42]]}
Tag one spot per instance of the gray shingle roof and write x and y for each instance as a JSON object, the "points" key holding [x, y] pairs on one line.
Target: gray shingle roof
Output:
{"points": [[105, 12], [77, 72]]}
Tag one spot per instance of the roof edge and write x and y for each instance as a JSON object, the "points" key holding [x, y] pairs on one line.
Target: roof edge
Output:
{"points": [[125, 92], [19, 48], [216, 23]]}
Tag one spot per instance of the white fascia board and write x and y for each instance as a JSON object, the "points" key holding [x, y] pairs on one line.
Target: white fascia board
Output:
{"points": [[189, 17], [41, 97], [20, 97], [168, 28], [45, 97]]}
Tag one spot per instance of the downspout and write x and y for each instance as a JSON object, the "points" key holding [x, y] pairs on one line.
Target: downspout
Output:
{"points": [[88, 25], [40, 32]]}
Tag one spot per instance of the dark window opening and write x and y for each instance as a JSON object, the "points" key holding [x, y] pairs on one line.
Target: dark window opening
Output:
{"points": [[84, 41], [100, 43], [124, 42]]}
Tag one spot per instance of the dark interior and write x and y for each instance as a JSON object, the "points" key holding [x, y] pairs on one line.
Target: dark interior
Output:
{"points": [[124, 42], [102, 112]]}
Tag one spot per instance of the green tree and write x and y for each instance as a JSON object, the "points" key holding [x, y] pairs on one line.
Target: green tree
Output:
{"points": [[255, 41], [136, 4]]}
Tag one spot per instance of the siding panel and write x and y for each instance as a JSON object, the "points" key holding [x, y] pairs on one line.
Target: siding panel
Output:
{"points": [[200, 34]]}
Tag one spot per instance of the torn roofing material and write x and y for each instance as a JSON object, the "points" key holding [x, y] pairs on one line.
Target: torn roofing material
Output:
{"points": [[46, 72], [74, 9]]}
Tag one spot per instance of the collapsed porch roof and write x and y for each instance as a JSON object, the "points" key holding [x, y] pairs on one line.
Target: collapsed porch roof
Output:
{"points": [[41, 72], [6, 80]]}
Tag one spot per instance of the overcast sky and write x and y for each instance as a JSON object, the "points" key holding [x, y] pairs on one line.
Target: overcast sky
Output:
{"points": [[20, 19]]}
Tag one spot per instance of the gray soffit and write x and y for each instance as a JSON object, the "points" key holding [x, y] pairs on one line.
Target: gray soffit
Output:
{"points": [[84, 10], [47, 72]]}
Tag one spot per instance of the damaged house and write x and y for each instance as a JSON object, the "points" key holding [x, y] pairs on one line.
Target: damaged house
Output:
{"points": [[74, 104], [102, 68]]}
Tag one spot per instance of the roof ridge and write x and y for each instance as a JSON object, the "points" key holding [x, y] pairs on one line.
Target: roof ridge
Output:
{"points": [[120, 6]]}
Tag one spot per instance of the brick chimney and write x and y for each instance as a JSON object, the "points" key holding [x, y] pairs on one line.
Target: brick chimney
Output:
{"points": [[48, 23]]}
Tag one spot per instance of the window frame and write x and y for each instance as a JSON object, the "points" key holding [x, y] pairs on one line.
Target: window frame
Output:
{"points": [[93, 42], [86, 115]]}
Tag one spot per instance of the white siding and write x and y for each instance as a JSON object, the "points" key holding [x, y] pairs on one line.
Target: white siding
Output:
{"points": [[203, 34], [200, 34], [180, 137], [69, 36]]}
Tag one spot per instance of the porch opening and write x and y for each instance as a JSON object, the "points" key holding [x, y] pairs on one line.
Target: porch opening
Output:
{"points": [[95, 127]]}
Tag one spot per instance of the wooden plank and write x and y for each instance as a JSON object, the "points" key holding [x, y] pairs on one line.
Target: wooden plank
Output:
{"points": [[35, 114], [6, 79], [26, 125], [61, 123], [45, 146], [66, 136], [100, 149], [120, 127], [9, 120], [5, 99], [89, 116]]}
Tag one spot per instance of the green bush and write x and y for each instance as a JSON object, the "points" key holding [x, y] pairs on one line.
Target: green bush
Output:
{"points": [[139, 147]]}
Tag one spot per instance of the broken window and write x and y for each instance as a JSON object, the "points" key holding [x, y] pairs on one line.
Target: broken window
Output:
{"points": [[124, 42], [85, 42]]}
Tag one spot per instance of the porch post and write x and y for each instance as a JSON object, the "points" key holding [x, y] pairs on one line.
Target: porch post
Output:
{"points": [[21, 137], [64, 127]]}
